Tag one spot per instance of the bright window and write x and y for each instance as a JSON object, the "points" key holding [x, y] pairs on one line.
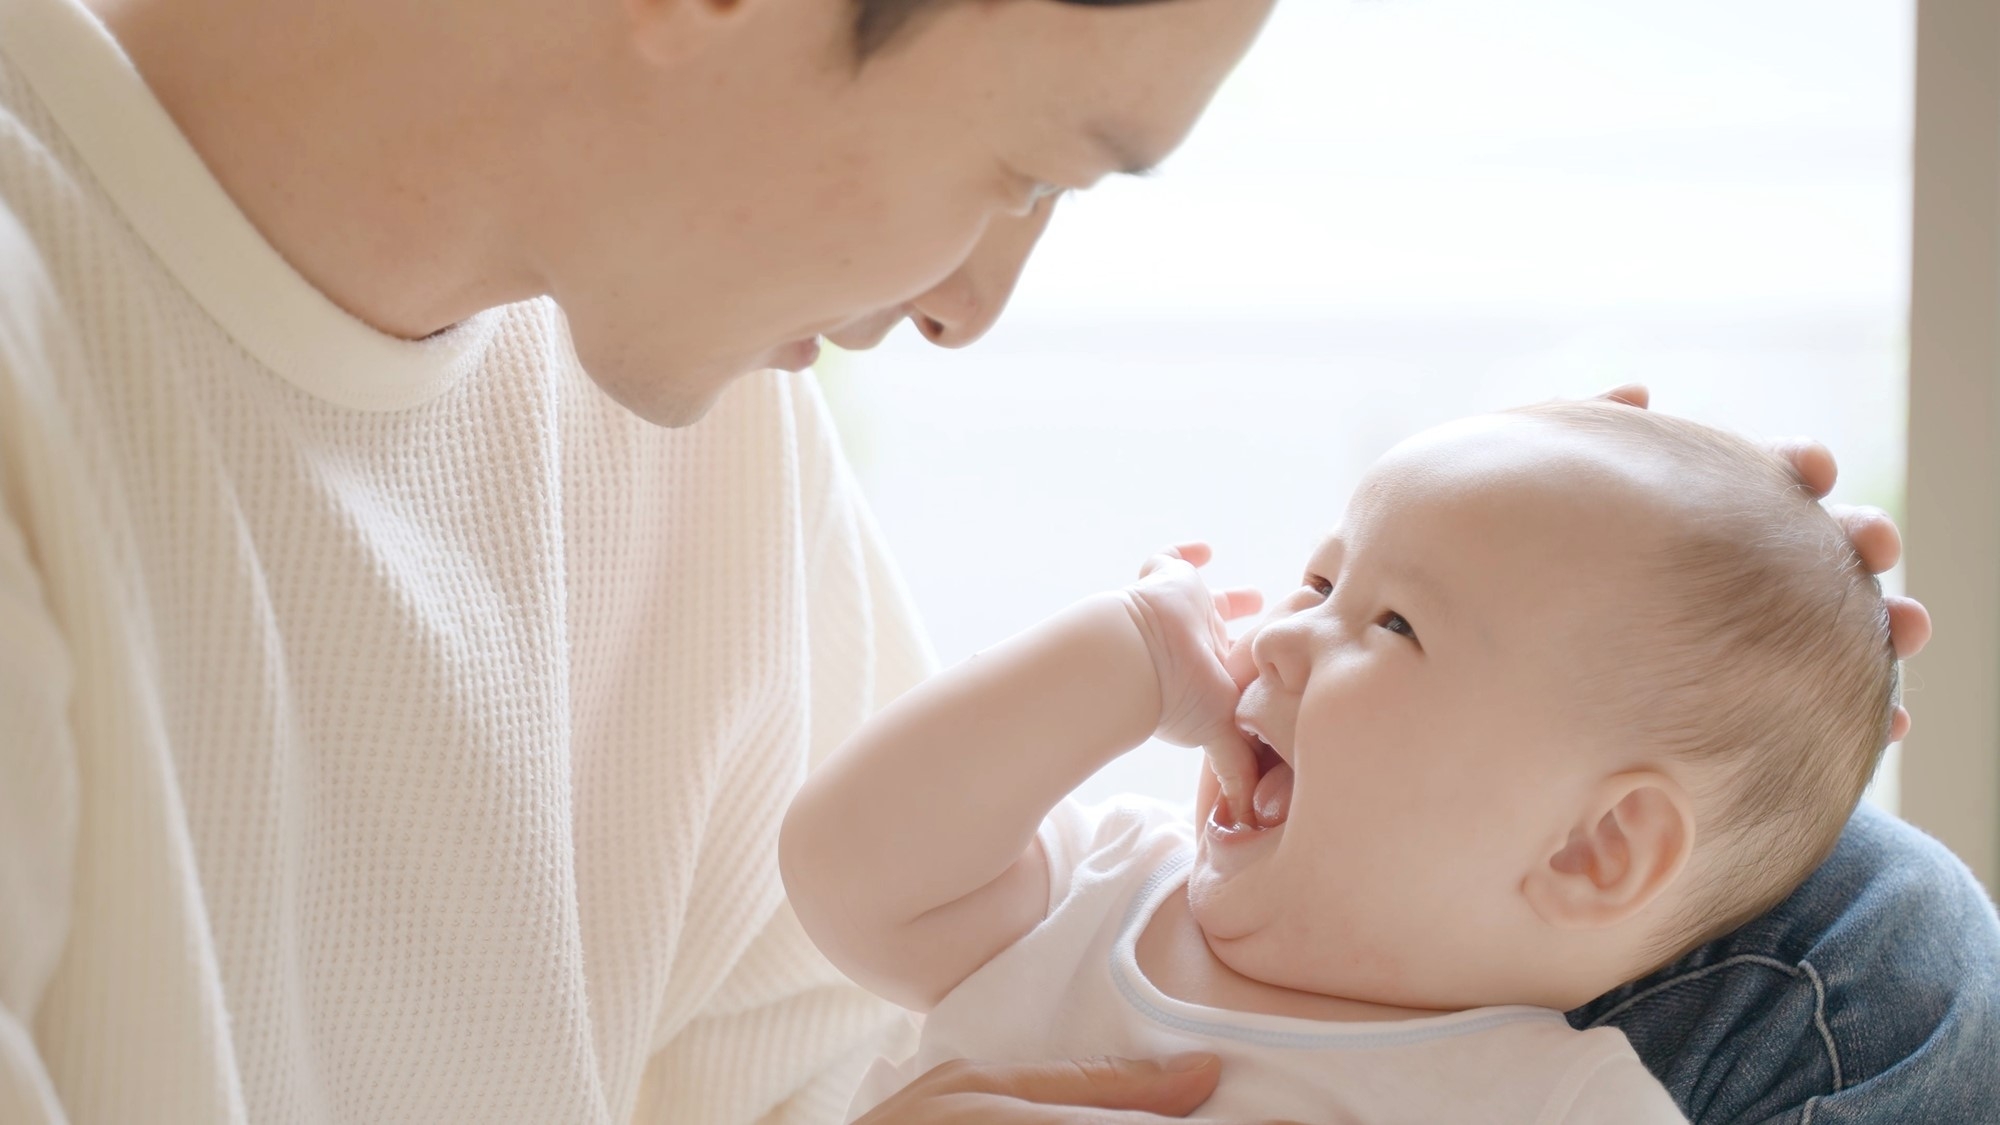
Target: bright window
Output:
{"points": [[1400, 212]]}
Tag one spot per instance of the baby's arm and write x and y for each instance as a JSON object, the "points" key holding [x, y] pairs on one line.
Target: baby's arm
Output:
{"points": [[911, 856]]}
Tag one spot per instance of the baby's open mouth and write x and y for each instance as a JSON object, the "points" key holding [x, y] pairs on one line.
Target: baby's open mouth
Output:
{"points": [[1271, 801], [1268, 789]]}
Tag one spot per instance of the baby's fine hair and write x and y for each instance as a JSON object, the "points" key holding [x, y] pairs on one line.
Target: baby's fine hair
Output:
{"points": [[1767, 656]]}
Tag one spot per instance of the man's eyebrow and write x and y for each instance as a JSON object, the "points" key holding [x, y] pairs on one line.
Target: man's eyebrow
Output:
{"points": [[1127, 157]]}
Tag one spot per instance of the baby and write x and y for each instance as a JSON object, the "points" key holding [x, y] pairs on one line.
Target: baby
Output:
{"points": [[1569, 691]]}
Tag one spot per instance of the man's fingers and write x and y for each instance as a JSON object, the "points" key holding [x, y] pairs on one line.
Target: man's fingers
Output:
{"points": [[1909, 625], [1899, 726], [1631, 394], [1101, 1091], [1812, 462], [1173, 1086], [991, 1109], [1909, 632], [1873, 534]]}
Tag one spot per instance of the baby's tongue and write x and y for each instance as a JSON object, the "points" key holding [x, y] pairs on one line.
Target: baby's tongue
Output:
{"points": [[1273, 800]]}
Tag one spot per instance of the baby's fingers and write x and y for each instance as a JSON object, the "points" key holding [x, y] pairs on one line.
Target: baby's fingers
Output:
{"points": [[1240, 602], [1196, 554], [1193, 554]]}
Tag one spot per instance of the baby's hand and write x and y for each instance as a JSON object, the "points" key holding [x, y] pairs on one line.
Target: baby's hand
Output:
{"points": [[1183, 626]]}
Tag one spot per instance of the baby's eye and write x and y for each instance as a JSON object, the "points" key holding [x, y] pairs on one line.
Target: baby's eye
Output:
{"points": [[1397, 623], [1319, 585]]}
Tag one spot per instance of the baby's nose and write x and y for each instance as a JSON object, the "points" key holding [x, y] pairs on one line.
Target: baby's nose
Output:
{"points": [[1281, 654]]}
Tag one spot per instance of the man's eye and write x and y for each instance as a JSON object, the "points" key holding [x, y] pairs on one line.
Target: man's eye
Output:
{"points": [[1397, 623]]}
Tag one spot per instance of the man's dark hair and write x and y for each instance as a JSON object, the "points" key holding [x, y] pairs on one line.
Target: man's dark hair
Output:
{"points": [[877, 21]]}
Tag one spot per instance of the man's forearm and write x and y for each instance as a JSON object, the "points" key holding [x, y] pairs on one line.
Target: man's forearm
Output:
{"points": [[940, 795]]}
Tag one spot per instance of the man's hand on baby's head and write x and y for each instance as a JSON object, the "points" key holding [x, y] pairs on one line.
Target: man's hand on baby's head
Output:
{"points": [[1185, 627], [1873, 533]]}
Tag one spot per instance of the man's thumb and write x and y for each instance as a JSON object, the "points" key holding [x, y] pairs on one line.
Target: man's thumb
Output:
{"points": [[1172, 1086]]}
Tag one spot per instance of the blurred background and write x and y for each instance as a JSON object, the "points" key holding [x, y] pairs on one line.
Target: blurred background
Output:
{"points": [[1400, 212]]}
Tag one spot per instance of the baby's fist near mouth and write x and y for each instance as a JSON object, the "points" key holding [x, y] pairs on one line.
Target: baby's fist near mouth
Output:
{"points": [[1184, 625], [1231, 760]]}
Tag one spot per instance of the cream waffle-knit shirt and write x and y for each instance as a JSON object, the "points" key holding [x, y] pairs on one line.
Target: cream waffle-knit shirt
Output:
{"points": [[389, 731]]}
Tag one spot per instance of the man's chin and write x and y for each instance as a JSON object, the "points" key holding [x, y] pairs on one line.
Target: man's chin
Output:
{"points": [[681, 397], [671, 410], [794, 357], [669, 400]]}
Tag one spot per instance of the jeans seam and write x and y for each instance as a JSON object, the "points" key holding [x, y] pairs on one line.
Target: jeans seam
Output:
{"points": [[1802, 971], [1696, 974], [1819, 1021]]}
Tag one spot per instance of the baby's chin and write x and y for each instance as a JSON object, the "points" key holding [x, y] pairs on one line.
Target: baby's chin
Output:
{"points": [[1228, 892], [1248, 945], [1309, 984]]}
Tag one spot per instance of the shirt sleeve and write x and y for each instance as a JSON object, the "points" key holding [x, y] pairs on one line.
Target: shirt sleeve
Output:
{"points": [[38, 799], [1114, 843], [38, 771]]}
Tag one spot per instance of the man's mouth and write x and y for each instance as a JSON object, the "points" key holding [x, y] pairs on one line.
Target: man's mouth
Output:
{"points": [[1256, 788]]}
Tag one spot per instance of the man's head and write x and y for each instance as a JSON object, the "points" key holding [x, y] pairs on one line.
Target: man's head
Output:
{"points": [[731, 179], [1568, 690]]}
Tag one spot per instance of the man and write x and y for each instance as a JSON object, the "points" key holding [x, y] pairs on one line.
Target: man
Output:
{"points": [[395, 726]]}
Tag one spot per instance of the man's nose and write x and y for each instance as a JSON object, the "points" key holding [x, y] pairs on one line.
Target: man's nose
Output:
{"points": [[959, 309]]}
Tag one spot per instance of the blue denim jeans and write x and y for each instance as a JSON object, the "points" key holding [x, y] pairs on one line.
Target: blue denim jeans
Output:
{"points": [[1871, 995]]}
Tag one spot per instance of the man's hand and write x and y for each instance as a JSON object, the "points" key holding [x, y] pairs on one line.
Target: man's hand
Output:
{"points": [[1185, 631], [1872, 532], [1083, 1092]]}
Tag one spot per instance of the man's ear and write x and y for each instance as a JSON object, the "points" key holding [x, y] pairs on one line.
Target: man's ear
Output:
{"points": [[1630, 841], [669, 31]]}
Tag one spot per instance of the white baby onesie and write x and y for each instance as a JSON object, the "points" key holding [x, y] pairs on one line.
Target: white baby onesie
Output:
{"points": [[1072, 988]]}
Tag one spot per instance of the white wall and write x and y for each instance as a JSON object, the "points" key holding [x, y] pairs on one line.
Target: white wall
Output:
{"points": [[1951, 773]]}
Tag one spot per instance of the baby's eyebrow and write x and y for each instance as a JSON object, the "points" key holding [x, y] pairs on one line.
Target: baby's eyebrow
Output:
{"points": [[1433, 601]]}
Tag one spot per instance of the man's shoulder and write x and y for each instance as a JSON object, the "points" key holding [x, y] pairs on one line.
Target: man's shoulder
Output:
{"points": [[33, 184], [1878, 978], [31, 318]]}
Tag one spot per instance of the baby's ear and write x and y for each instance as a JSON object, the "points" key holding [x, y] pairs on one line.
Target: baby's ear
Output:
{"points": [[1629, 843]]}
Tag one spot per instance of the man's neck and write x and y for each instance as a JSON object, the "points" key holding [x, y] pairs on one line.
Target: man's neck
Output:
{"points": [[367, 142]]}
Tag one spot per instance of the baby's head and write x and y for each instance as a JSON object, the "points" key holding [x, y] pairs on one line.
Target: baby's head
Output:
{"points": [[1569, 691]]}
